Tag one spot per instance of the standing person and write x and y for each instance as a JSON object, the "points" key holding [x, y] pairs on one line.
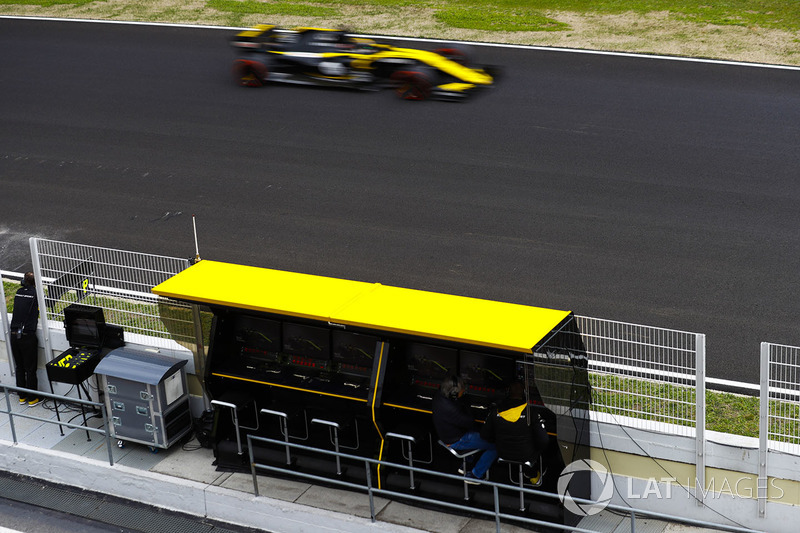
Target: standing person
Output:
{"points": [[518, 436], [24, 344], [456, 426]]}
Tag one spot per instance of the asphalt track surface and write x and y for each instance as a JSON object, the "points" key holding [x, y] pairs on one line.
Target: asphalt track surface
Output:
{"points": [[642, 190]]}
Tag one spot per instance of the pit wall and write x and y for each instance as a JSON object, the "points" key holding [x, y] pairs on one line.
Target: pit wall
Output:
{"points": [[656, 471]]}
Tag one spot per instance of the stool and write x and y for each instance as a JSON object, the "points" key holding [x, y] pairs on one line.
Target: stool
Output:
{"points": [[283, 422], [234, 411], [463, 456], [410, 457], [333, 433], [521, 477]]}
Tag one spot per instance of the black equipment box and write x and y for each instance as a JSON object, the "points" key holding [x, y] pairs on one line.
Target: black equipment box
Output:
{"points": [[90, 338], [73, 366]]}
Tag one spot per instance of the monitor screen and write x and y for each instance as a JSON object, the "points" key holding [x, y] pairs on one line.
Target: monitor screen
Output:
{"points": [[83, 325], [354, 352], [83, 332], [306, 341], [429, 364], [257, 337], [486, 375]]}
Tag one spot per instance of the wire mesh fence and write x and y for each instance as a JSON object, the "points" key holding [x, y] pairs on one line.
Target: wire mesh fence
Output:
{"points": [[644, 376], [783, 397], [117, 281]]}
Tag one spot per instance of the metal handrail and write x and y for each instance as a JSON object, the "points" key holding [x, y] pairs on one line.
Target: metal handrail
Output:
{"points": [[105, 430], [371, 491]]}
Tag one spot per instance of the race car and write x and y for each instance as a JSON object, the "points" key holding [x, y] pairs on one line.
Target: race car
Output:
{"points": [[328, 57]]}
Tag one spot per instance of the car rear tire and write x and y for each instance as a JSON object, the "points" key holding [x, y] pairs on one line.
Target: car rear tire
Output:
{"points": [[249, 73], [411, 85]]}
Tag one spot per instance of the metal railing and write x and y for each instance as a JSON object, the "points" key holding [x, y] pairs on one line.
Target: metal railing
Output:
{"points": [[649, 378], [371, 490], [646, 376], [117, 281], [779, 410], [105, 430], [780, 381]]}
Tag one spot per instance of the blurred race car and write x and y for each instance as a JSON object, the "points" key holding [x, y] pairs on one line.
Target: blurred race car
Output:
{"points": [[317, 56]]}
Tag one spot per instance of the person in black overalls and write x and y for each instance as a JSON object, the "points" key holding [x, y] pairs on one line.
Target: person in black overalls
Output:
{"points": [[24, 344], [519, 435]]}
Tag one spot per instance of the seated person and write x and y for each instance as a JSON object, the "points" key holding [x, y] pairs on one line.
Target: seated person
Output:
{"points": [[456, 426], [518, 436]]}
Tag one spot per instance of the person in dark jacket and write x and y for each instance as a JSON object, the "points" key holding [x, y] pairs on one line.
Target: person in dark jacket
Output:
{"points": [[518, 435], [456, 426], [24, 344]]}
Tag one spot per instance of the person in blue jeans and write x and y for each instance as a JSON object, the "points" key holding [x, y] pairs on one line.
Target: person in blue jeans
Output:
{"points": [[457, 428]]}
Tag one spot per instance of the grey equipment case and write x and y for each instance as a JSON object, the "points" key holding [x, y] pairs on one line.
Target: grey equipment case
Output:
{"points": [[146, 396]]}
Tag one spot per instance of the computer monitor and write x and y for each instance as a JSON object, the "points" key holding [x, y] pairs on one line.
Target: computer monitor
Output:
{"points": [[430, 364], [258, 339], [354, 352], [83, 325], [486, 375], [309, 346]]}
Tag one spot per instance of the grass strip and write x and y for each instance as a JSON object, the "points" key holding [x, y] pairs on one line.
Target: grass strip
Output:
{"points": [[253, 7]]}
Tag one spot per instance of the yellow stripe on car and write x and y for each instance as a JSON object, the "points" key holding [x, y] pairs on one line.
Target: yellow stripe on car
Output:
{"points": [[456, 87]]}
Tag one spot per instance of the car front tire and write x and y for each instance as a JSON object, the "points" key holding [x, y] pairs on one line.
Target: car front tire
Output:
{"points": [[249, 73], [411, 85]]}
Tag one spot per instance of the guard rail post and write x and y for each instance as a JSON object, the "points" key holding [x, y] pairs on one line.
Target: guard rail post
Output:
{"points": [[107, 431], [10, 416], [368, 470]]}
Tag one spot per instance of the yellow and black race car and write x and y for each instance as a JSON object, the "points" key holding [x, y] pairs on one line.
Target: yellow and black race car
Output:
{"points": [[316, 56]]}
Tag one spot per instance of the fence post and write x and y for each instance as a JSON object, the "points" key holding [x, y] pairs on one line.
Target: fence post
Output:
{"points": [[763, 431], [37, 272], [700, 417], [6, 326], [200, 354]]}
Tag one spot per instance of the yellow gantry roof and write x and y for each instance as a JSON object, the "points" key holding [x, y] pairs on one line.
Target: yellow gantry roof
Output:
{"points": [[371, 305]]}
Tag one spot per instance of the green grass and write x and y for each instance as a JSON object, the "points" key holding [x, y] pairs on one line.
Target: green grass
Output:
{"points": [[661, 402], [645, 399], [9, 288], [779, 14], [253, 7], [732, 413], [498, 19]]}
